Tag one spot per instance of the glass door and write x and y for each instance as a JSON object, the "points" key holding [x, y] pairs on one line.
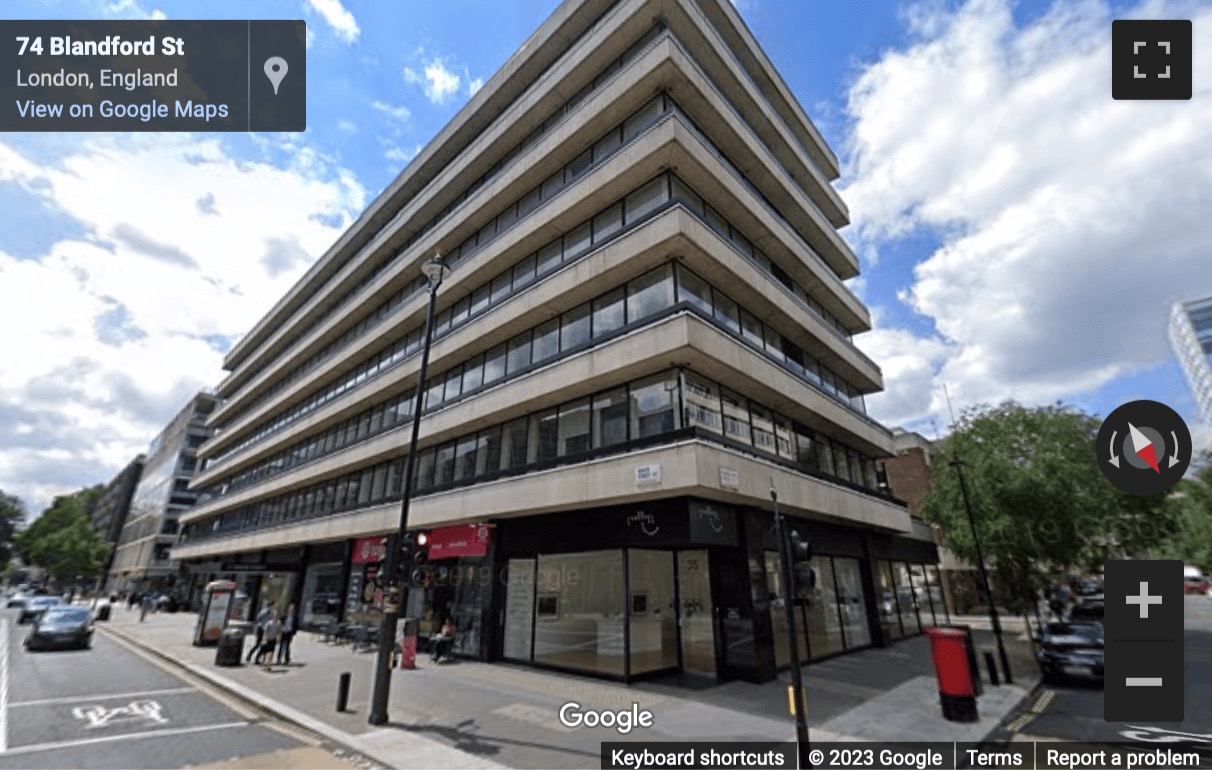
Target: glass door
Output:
{"points": [[696, 613]]}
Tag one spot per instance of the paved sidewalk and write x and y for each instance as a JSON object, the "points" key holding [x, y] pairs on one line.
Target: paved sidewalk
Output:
{"points": [[472, 714]]}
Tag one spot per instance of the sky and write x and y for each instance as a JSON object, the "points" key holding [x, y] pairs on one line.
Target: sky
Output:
{"points": [[1021, 234]]}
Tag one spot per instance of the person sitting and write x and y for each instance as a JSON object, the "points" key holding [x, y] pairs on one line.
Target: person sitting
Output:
{"points": [[443, 641]]}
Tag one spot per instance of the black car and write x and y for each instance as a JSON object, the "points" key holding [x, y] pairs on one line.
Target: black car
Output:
{"points": [[1086, 611], [1073, 648], [62, 627], [16, 601], [1088, 588], [34, 608]]}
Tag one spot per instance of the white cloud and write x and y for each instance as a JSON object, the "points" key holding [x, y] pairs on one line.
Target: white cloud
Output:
{"points": [[473, 85], [1069, 222], [437, 81], [337, 17], [119, 325], [400, 155], [347, 126], [398, 113]]}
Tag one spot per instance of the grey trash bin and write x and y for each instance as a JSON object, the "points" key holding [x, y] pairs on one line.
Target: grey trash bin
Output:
{"points": [[231, 647], [103, 612]]}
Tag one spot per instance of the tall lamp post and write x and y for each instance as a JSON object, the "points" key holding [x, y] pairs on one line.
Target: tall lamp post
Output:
{"points": [[435, 271], [958, 464], [789, 598]]}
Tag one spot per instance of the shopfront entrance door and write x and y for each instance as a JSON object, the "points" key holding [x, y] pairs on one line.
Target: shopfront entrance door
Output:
{"points": [[696, 613]]}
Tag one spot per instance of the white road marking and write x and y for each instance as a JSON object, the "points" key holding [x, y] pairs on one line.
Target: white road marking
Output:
{"points": [[124, 737], [3, 685], [100, 716], [90, 698]]}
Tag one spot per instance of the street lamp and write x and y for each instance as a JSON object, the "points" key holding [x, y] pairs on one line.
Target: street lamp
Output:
{"points": [[958, 464], [435, 270], [789, 597]]}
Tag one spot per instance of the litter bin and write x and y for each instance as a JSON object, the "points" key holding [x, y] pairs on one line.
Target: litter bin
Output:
{"points": [[103, 612], [949, 647], [408, 644], [231, 647]]}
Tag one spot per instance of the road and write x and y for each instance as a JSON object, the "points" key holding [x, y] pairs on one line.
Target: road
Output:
{"points": [[110, 707], [1074, 711]]}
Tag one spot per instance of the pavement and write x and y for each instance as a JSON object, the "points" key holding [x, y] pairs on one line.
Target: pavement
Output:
{"points": [[478, 715]]}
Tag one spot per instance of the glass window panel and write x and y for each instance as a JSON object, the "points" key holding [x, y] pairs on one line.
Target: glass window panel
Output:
{"points": [[574, 428], [726, 312], [519, 353], [395, 473], [364, 486], [460, 312], [608, 313], [921, 595], [488, 454], [543, 435], [702, 404], [454, 384], [494, 364], [574, 327], [935, 591], [579, 623], [549, 257], [552, 185], [741, 242], [717, 222], [514, 441], [376, 419], [577, 241], [479, 300], [693, 290], [441, 324], [546, 341], [646, 199], [905, 599], [465, 458], [433, 394], [580, 164], [885, 591], [683, 193], [608, 223], [736, 416], [607, 145], [841, 467], [751, 330], [774, 343], [824, 624], [528, 203], [642, 119], [853, 605], [763, 428], [653, 640], [610, 417], [653, 409], [500, 287], [473, 374], [806, 450], [425, 468], [524, 273], [824, 452], [379, 485], [444, 464], [649, 294], [782, 436]]}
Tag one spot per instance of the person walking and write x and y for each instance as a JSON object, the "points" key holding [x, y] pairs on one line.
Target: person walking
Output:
{"points": [[259, 632], [273, 629], [144, 605], [290, 624]]}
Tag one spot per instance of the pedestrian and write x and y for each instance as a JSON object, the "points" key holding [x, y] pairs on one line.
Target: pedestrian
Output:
{"points": [[290, 624], [145, 605], [131, 600], [259, 631], [273, 629]]}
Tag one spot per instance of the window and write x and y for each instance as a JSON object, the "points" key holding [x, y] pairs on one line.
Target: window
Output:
{"points": [[687, 196], [523, 273], [774, 343], [479, 300], [433, 394], [473, 374], [519, 353], [546, 341], [552, 185], [395, 473], [702, 404], [577, 241], [529, 202], [444, 465], [580, 164], [646, 116], [649, 294], [607, 144], [500, 288], [376, 421], [646, 199], [608, 223], [514, 440], [824, 453], [763, 428], [726, 312], [717, 222], [364, 486], [494, 364], [465, 458], [378, 486], [549, 257], [425, 468], [543, 436], [608, 313], [574, 327], [488, 451], [652, 406], [460, 312], [454, 384], [751, 330], [805, 447], [610, 417], [693, 290], [574, 428], [736, 416]]}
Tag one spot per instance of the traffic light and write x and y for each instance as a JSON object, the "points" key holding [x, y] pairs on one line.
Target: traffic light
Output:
{"points": [[414, 556], [803, 575]]}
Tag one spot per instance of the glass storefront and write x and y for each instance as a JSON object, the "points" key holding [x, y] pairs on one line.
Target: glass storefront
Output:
{"points": [[321, 594], [911, 598], [653, 624], [578, 619]]}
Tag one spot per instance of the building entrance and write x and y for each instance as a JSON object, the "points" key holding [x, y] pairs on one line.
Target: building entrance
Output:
{"points": [[696, 613]]}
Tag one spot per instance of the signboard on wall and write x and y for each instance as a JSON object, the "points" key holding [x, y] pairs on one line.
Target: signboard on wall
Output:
{"points": [[368, 550], [459, 540]]}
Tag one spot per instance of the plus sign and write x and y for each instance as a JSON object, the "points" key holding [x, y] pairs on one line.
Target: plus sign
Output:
{"points": [[1144, 600]]}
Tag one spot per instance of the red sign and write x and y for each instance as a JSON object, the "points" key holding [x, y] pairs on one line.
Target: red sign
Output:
{"points": [[368, 550], [408, 652], [459, 540]]}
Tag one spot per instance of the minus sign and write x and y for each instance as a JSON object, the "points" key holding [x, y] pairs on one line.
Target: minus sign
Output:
{"points": [[1143, 681]]}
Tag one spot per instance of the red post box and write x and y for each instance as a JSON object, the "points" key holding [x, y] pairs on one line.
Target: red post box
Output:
{"points": [[948, 647]]}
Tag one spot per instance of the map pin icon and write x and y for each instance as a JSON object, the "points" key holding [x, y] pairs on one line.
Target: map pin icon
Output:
{"points": [[275, 70]]}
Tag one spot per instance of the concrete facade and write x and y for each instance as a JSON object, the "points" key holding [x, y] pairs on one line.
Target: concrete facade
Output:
{"points": [[1190, 329]]}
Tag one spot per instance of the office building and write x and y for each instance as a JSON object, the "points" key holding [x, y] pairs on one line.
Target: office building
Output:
{"points": [[1191, 338], [645, 329]]}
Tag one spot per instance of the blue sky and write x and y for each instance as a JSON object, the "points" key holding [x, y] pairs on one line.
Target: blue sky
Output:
{"points": [[1021, 234]]}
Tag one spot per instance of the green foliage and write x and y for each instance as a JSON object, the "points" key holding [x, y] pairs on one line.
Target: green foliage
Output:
{"points": [[1040, 503], [12, 513], [1190, 504], [62, 541]]}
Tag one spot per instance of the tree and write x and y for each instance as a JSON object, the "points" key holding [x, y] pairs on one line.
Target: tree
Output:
{"points": [[12, 513], [62, 541], [1190, 503], [1039, 501]]}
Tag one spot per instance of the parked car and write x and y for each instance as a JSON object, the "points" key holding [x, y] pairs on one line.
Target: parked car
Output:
{"points": [[34, 608], [16, 601], [1072, 648], [1196, 584], [1087, 610], [62, 626], [1089, 588]]}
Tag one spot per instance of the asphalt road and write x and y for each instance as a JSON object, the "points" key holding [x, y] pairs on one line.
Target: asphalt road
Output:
{"points": [[109, 707], [1074, 711]]}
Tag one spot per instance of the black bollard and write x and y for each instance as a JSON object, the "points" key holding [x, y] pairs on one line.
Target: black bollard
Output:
{"points": [[343, 691], [991, 664]]}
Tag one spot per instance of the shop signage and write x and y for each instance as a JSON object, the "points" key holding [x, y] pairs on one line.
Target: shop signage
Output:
{"points": [[368, 550], [459, 540], [729, 479], [648, 474], [244, 566]]}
